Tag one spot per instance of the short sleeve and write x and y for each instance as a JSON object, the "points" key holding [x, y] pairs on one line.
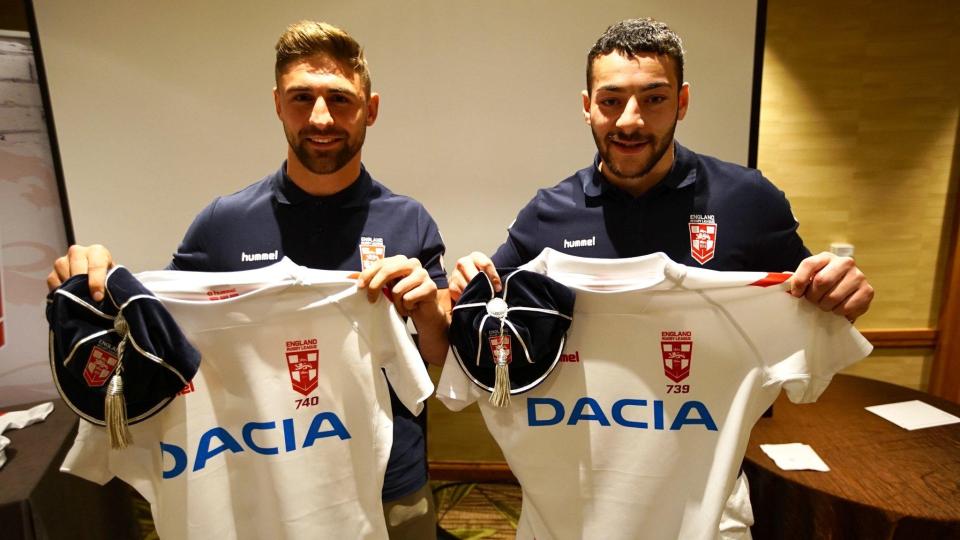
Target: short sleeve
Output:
{"points": [[89, 457], [804, 354], [454, 389], [192, 253], [432, 250], [830, 345], [398, 356], [522, 234], [779, 246]]}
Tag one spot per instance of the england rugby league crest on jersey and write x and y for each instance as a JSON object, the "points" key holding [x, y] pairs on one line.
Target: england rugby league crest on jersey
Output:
{"points": [[676, 349], [703, 237], [100, 364], [371, 251], [303, 363]]}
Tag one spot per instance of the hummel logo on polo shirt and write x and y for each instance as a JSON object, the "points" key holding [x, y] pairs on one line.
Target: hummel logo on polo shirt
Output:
{"points": [[583, 242], [251, 257]]}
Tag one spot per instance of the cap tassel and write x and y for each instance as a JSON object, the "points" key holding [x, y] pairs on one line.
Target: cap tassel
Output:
{"points": [[501, 386], [115, 412], [115, 403]]}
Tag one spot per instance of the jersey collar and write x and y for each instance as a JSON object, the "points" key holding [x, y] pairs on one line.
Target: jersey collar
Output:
{"points": [[682, 173], [286, 192]]}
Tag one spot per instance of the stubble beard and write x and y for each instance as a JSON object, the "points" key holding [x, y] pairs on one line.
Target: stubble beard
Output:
{"points": [[660, 147], [326, 162]]}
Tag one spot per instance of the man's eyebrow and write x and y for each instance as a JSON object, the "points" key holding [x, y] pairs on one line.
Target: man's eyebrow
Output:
{"points": [[305, 88], [645, 88]]}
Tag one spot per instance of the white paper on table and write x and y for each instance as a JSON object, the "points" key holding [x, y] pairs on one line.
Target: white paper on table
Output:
{"points": [[795, 457], [913, 415], [4, 442], [20, 420]]}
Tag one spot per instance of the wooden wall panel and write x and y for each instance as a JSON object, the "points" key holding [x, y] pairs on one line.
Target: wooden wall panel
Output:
{"points": [[858, 123]]}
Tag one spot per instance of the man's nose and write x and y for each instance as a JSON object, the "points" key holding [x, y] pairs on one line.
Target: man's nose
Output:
{"points": [[631, 118], [320, 115]]}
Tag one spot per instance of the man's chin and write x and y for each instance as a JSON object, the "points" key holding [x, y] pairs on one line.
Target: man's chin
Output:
{"points": [[628, 171]]}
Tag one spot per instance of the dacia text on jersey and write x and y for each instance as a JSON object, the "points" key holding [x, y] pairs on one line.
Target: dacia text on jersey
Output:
{"points": [[218, 440], [627, 412]]}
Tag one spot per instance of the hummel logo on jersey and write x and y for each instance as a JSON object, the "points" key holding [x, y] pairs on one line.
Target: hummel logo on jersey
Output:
{"points": [[703, 237], [303, 361], [214, 294], [371, 251], [583, 242], [573, 357], [676, 348], [190, 387], [251, 257], [100, 364]]}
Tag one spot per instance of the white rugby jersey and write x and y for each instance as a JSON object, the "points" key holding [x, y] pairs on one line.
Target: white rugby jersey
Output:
{"points": [[640, 430], [286, 429]]}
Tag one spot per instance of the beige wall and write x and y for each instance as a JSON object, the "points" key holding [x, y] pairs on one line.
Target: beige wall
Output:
{"points": [[858, 126]]}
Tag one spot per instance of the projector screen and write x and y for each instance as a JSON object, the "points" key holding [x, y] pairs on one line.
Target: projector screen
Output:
{"points": [[160, 106]]}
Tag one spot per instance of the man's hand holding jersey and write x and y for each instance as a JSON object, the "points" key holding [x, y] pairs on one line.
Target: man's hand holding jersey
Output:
{"points": [[832, 283], [415, 295]]}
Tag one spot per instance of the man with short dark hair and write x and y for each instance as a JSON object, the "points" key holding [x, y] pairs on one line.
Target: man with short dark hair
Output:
{"points": [[322, 209]]}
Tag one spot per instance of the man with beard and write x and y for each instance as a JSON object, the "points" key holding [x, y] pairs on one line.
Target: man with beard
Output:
{"points": [[646, 193], [322, 209]]}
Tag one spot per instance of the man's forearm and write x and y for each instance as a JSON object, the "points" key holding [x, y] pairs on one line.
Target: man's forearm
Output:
{"points": [[432, 322]]}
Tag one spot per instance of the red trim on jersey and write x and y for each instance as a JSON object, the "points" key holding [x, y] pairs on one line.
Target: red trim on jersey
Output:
{"points": [[773, 278]]}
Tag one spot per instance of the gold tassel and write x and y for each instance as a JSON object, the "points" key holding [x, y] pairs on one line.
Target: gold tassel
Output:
{"points": [[501, 386], [115, 413]]}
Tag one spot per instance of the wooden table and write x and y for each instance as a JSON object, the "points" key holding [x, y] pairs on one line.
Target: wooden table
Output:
{"points": [[38, 501], [884, 482]]}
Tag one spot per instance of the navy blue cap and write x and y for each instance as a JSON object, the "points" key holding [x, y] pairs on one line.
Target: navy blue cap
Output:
{"points": [[526, 324], [85, 347]]}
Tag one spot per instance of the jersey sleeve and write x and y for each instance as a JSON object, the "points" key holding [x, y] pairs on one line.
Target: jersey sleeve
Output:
{"points": [[432, 250], [803, 355], [399, 357], [89, 457], [454, 389], [193, 251], [779, 247], [522, 234]]}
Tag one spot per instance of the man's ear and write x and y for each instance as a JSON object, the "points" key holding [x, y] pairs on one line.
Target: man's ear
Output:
{"points": [[683, 101], [586, 106], [373, 108]]}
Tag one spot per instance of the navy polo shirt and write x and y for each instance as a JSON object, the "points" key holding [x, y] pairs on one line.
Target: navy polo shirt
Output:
{"points": [[705, 212], [273, 218]]}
